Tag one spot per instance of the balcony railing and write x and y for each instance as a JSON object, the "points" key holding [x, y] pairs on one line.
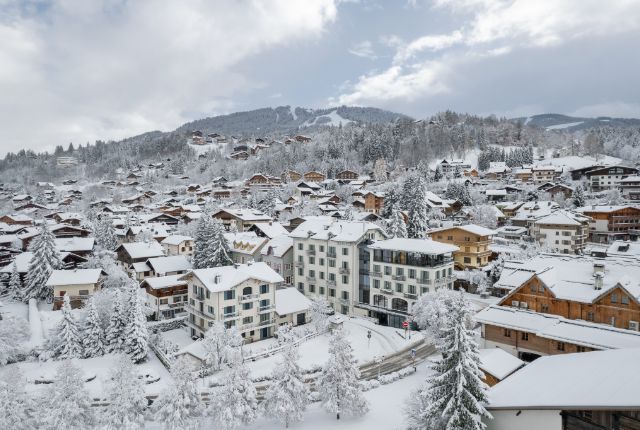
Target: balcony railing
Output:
{"points": [[203, 314], [248, 297], [387, 290], [376, 274], [230, 315], [311, 278], [311, 252], [331, 283], [199, 297], [423, 281], [331, 254], [299, 264], [266, 308], [410, 296], [344, 271], [398, 277]]}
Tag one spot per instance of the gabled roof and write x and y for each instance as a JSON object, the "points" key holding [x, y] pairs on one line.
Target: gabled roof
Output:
{"points": [[74, 277], [424, 246], [175, 239], [324, 228], [218, 279], [290, 300], [173, 263], [143, 249]]}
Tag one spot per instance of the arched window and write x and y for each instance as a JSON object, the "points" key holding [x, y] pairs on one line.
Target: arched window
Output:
{"points": [[380, 300], [399, 305], [246, 291]]}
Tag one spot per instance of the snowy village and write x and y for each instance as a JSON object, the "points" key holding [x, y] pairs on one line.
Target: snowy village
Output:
{"points": [[404, 266]]}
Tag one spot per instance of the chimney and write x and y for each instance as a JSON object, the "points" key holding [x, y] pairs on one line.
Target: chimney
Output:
{"points": [[598, 267], [598, 282], [216, 279]]}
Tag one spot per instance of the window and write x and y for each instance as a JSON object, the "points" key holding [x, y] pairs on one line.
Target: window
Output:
{"points": [[345, 295], [376, 268], [312, 288], [614, 298], [300, 247], [541, 288], [534, 288], [332, 277], [264, 289], [83, 292], [321, 261], [448, 237], [581, 349], [560, 346], [467, 260], [321, 248], [300, 286], [399, 288], [345, 279], [332, 263], [387, 270], [247, 320], [300, 271], [544, 308], [164, 301], [312, 260], [210, 310], [230, 294], [345, 251], [589, 316], [247, 306], [321, 290], [228, 310], [507, 332], [321, 274], [411, 289], [524, 336], [624, 299], [412, 273], [312, 273], [312, 247], [376, 283], [332, 292], [387, 285]]}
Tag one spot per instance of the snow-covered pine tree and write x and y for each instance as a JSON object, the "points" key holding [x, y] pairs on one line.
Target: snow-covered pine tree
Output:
{"points": [[456, 393], [391, 200], [218, 246], [136, 343], [67, 403], [577, 198], [287, 397], [106, 236], [14, 332], [126, 398], [319, 311], [69, 343], [396, 226], [15, 283], [348, 213], [17, 406], [215, 344], [418, 212], [93, 336], [180, 406], [45, 259], [115, 334], [201, 241], [235, 402], [437, 174], [338, 386]]}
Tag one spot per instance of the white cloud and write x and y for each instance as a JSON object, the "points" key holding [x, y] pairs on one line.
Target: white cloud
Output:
{"points": [[363, 49], [426, 66], [80, 70]]}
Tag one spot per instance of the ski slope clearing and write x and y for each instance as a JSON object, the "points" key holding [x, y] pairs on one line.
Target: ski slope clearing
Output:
{"points": [[564, 126]]}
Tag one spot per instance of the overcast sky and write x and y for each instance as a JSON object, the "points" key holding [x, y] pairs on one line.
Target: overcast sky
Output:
{"points": [[81, 70]]}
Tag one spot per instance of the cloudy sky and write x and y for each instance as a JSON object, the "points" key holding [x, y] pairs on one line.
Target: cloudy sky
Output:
{"points": [[80, 70]]}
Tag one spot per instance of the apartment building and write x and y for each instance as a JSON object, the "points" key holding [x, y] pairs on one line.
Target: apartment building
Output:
{"points": [[327, 255], [241, 295], [611, 223], [400, 271], [177, 244], [562, 231], [606, 178], [473, 242]]}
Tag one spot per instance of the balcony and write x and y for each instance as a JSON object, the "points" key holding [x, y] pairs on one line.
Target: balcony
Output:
{"points": [[331, 283], [267, 308], [311, 252], [398, 277], [198, 297], [410, 296], [331, 254], [423, 281], [203, 314], [248, 298], [230, 315], [344, 302], [267, 322], [311, 278], [376, 274], [195, 326], [344, 271], [387, 290], [299, 264]]}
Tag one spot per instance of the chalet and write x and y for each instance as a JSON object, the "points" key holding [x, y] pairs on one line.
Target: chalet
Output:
{"points": [[473, 173], [373, 202], [562, 231], [449, 167], [346, 176], [595, 390], [21, 199], [630, 187], [166, 296], [78, 284], [522, 174], [177, 244], [291, 176], [497, 364], [314, 176], [269, 229], [473, 241], [81, 246], [498, 170], [74, 219], [240, 155], [136, 252], [609, 223], [559, 191], [578, 174], [259, 180], [542, 174], [159, 218], [245, 246], [242, 219], [16, 220], [302, 139], [606, 178]]}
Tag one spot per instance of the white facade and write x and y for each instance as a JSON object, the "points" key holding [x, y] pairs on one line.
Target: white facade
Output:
{"points": [[525, 420]]}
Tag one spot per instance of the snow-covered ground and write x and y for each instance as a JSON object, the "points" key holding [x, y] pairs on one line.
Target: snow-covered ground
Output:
{"points": [[334, 117], [386, 409], [577, 162], [563, 126]]}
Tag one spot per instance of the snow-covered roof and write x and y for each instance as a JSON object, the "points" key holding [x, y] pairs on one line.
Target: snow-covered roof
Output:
{"points": [[75, 244], [624, 248], [271, 229], [572, 277], [143, 249], [231, 276], [555, 327], [605, 209], [175, 239], [589, 380], [245, 242], [290, 300], [278, 246], [173, 263], [498, 362], [563, 217], [164, 281], [424, 246], [339, 231], [470, 228], [74, 277], [246, 214]]}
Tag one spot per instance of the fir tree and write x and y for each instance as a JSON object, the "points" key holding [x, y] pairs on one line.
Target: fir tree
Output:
{"points": [[391, 200], [17, 406], [235, 402], [348, 214], [67, 403], [418, 212], [45, 259], [578, 198], [93, 335], [68, 336], [397, 226], [287, 397], [136, 343], [437, 174], [217, 342], [115, 334], [14, 332], [338, 386], [219, 248], [15, 283], [201, 242], [126, 397], [319, 310], [106, 235], [180, 406], [456, 393]]}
